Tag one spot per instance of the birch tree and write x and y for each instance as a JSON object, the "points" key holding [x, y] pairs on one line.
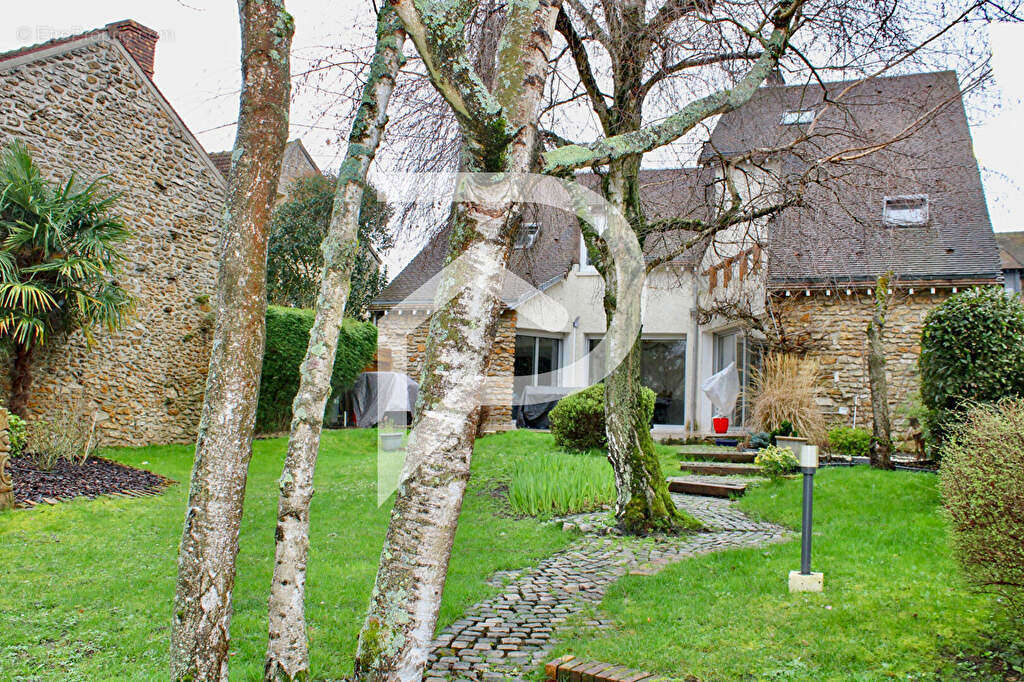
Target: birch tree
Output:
{"points": [[206, 560], [288, 648], [498, 128]]}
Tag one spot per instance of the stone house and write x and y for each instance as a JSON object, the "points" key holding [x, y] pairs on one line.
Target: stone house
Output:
{"points": [[805, 274], [88, 104], [1011, 254]]}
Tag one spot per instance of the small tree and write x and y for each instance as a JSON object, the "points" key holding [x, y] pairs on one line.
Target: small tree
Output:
{"points": [[972, 350], [59, 256], [881, 436], [294, 258]]}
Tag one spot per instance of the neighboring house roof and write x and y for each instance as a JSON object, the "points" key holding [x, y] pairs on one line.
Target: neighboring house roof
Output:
{"points": [[296, 163], [134, 42], [1011, 249], [839, 235], [664, 193], [222, 160]]}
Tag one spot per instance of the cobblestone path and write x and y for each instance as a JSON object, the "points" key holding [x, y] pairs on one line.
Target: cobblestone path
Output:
{"points": [[503, 637]]}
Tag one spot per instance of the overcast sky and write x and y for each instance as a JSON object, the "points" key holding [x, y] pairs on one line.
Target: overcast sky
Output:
{"points": [[198, 53]]}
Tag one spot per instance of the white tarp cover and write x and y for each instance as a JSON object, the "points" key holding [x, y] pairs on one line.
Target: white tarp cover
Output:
{"points": [[723, 389], [376, 394]]}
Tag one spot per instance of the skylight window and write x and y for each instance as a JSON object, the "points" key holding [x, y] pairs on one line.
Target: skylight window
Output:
{"points": [[526, 235], [906, 210], [797, 117]]}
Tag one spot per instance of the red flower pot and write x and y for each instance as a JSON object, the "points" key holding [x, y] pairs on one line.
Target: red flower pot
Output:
{"points": [[721, 424]]}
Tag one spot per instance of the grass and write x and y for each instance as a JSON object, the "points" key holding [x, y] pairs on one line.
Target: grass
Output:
{"points": [[557, 483], [86, 586], [894, 602]]}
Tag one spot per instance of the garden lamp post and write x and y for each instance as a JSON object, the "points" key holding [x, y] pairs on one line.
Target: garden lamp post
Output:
{"points": [[805, 580]]}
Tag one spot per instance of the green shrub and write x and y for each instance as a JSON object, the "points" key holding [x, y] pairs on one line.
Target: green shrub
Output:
{"points": [[982, 478], [776, 462], [577, 421], [549, 484], [759, 440], [850, 441], [287, 338], [18, 430], [972, 350]]}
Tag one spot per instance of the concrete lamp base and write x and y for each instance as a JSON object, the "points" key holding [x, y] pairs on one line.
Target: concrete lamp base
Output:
{"points": [[812, 582]]}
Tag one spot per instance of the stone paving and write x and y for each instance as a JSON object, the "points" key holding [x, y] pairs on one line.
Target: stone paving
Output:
{"points": [[505, 637]]}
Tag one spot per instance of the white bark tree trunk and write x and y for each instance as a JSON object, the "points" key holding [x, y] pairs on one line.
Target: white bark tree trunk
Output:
{"points": [[206, 562], [500, 131], [288, 646]]}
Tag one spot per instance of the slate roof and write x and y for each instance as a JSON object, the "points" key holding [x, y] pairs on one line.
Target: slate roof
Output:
{"points": [[222, 160], [664, 193], [1011, 249], [840, 235]]}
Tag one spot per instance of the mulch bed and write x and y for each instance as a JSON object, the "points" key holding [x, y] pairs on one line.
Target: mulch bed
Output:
{"points": [[97, 476]]}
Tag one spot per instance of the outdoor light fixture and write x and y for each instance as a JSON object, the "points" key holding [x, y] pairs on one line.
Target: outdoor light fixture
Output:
{"points": [[804, 580]]}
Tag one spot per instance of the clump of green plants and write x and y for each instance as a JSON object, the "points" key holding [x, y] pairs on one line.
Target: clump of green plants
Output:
{"points": [[554, 484], [850, 441], [982, 479], [70, 435], [785, 390], [761, 439], [776, 462], [972, 350], [17, 430]]}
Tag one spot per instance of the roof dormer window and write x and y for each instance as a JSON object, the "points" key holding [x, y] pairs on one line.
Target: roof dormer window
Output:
{"points": [[800, 116], [526, 235], [907, 210]]}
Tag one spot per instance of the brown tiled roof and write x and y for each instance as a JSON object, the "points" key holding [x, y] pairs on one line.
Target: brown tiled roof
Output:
{"points": [[839, 235], [1011, 249], [222, 160], [664, 193]]}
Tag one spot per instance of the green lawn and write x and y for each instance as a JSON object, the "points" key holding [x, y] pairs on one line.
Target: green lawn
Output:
{"points": [[86, 587], [893, 604]]}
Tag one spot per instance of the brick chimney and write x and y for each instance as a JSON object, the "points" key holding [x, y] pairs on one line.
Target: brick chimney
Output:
{"points": [[139, 40]]}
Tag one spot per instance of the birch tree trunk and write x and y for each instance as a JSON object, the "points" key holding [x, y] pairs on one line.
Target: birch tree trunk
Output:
{"points": [[881, 436], [288, 647], [206, 561], [499, 131]]}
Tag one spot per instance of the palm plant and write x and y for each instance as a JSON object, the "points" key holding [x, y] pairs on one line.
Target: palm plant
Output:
{"points": [[58, 261]]}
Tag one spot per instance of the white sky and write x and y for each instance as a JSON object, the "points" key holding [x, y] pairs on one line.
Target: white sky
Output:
{"points": [[197, 69]]}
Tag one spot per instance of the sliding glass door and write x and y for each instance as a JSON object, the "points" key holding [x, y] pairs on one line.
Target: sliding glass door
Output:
{"points": [[662, 369], [735, 346], [537, 361]]}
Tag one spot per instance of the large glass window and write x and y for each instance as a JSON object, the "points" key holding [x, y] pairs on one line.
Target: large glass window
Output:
{"points": [[537, 361], [736, 347], [662, 369]]}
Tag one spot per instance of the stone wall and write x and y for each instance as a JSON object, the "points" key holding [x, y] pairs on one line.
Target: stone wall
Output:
{"points": [[837, 326], [91, 111], [404, 337]]}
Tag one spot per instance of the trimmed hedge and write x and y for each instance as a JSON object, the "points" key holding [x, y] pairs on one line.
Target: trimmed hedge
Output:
{"points": [[972, 350], [849, 441], [287, 338], [577, 420]]}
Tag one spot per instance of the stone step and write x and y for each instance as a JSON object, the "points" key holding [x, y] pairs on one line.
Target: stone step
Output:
{"points": [[730, 455], [572, 669], [690, 486], [720, 468]]}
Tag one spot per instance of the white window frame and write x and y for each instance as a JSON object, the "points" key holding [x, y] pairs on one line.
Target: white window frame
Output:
{"points": [[797, 117], [585, 267], [892, 221], [526, 235]]}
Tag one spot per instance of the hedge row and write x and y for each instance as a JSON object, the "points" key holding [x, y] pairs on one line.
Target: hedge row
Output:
{"points": [[287, 338]]}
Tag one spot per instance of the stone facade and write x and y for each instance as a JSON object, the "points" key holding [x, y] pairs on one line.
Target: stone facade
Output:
{"points": [[403, 339], [837, 326], [85, 106]]}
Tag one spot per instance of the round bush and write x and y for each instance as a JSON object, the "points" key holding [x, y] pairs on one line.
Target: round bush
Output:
{"points": [[972, 350], [287, 338], [982, 477], [577, 421], [776, 462]]}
